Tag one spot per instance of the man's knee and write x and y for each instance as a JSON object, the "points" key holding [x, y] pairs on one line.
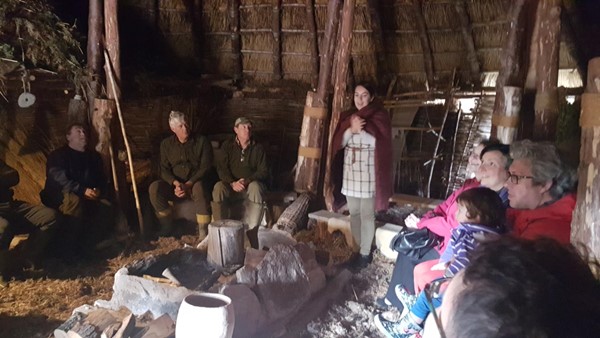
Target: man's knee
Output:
{"points": [[256, 191], [220, 191], [71, 205], [158, 192]]}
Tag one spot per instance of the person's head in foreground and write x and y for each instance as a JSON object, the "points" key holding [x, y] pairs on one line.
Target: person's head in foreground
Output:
{"points": [[537, 175], [522, 288]]}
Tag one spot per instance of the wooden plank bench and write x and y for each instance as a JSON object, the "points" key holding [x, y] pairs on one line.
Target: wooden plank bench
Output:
{"points": [[415, 201]]}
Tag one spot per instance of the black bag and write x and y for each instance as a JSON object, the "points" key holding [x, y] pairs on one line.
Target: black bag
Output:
{"points": [[415, 243]]}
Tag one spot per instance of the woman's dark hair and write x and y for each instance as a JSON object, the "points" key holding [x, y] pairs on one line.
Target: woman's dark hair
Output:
{"points": [[486, 204], [526, 288], [368, 86], [504, 149]]}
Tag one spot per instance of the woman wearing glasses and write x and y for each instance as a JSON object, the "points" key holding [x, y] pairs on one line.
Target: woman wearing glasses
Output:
{"points": [[540, 190]]}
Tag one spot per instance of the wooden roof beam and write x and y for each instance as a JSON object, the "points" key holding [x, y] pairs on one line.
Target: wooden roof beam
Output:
{"points": [[425, 45], [467, 34]]}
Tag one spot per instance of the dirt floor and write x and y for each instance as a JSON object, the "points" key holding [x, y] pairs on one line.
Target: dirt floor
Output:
{"points": [[34, 306]]}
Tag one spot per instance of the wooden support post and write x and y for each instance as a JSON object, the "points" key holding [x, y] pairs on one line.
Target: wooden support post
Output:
{"points": [[226, 242], [276, 30], [510, 62], [374, 8], [425, 45], [314, 43], [467, 34], [585, 227], [506, 123], [340, 92], [94, 51], [546, 98], [111, 33], [236, 41], [315, 111]]}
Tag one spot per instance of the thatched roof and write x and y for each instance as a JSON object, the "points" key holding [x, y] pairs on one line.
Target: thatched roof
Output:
{"points": [[201, 38]]}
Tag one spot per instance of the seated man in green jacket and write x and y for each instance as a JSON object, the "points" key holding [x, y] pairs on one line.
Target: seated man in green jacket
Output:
{"points": [[185, 160], [243, 172]]}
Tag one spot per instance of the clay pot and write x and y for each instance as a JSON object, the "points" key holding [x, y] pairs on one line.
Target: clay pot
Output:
{"points": [[207, 315]]}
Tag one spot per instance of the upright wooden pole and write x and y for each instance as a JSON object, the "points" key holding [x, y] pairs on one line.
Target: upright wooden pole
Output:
{"points": [[510, 65], [314, 43], [506, 122], [585, 227], [236, 41], [111, 31], [340, 92], [546, 98], [425, 44], [94, 51], [315, 111], [276, 30]]}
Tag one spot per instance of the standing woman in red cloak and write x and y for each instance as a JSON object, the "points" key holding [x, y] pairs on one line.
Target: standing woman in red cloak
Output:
{"points": [[362, 166]]}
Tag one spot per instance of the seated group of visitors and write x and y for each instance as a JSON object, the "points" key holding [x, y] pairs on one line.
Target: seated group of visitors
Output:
{"points": [[185, 161], [76, 207], [506, 221]]}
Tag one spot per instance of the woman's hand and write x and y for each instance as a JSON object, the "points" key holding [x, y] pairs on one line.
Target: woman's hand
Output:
{"points": [[356, 124], [411, 221]]}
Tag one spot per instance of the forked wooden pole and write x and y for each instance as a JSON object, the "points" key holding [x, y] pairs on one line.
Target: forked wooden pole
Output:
{"points": [[113, 83]]}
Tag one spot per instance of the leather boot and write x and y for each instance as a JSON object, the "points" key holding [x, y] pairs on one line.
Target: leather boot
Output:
{"points": [[166, 223], [254, 214], [202, 221], [219, 211]]}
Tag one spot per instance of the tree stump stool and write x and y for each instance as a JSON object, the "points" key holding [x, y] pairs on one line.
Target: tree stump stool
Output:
{"points": [[226, 243]]}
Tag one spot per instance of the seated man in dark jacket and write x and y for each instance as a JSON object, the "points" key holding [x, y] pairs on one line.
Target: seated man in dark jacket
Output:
{"points": [[185, 160], [242, 172], [77, 187], [17, 217]]}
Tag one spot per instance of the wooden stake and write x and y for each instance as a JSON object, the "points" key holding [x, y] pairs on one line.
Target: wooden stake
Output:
{"points": [[585, 228], [315, 111], [127, 148], [546, 98], [111, 31], [94, 51], [340, 93]]}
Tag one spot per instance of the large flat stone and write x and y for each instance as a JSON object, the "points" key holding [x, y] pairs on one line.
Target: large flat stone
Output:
{"points": [[268, 238], [282, 288]]}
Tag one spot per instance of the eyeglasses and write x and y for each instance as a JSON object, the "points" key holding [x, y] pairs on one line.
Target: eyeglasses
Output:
{"points": [[516, 178], [434, 290]]}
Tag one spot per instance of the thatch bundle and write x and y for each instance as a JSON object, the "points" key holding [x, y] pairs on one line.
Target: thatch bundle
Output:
{"points": [[483, 11], [490, 35], [439, 15]]}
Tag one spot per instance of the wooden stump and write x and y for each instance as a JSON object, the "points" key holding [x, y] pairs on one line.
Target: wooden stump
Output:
{"points": [[226, 242]]}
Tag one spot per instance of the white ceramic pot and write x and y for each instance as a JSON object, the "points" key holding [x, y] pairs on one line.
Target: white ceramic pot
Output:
{"points": [[206, 315]]}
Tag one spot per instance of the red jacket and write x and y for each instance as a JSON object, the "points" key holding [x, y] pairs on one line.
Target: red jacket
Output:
{"points": [[442, 220], [553, 221]]}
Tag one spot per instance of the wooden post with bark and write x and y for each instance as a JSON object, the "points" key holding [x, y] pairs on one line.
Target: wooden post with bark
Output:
{"points": [[340, 92], [425, 44], [314, 43], [111, 31], [585, 227], [510, 64], [546, 98], [236, 41], [506, 122], [94, 51], [315, 111], [276, 30]]}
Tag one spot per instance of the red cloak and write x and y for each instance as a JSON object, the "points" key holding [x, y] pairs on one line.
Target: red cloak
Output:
{"points": [[378, 124]]}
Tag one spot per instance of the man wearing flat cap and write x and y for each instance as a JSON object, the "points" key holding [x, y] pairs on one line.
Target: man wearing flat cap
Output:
{"points": [[243, 172]]}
